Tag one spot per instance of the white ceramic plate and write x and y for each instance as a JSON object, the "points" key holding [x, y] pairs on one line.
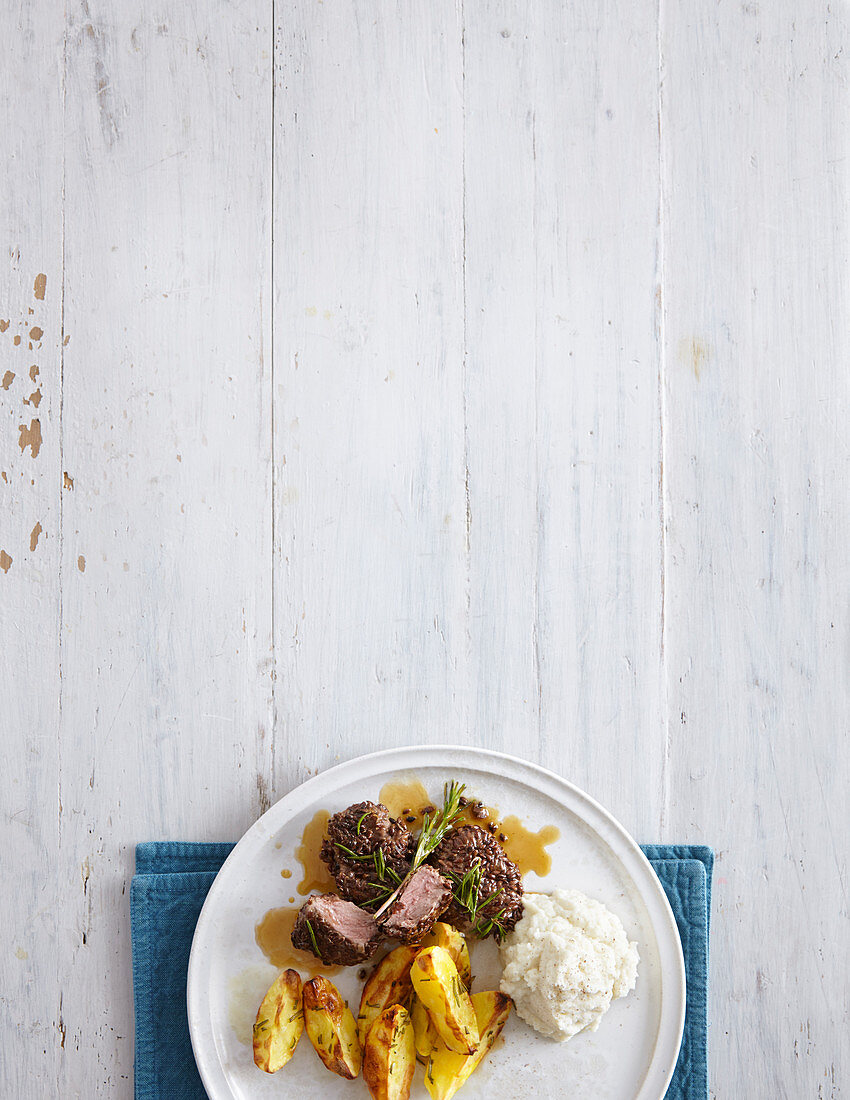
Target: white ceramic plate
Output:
{"points": [[630, 1057]]}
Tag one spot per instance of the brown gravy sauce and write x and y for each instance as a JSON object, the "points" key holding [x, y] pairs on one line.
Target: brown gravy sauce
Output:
{"points": [[527, 849], [406, 799], [273, 932], [316, 874], [273, 936]]}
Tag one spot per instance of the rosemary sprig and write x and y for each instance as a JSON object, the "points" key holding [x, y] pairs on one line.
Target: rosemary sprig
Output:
{"points": [[433, 830], [382, 890], [491, 924], [467, 894]]}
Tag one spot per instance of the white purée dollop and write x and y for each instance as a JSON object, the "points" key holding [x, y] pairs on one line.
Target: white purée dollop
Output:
{"points": [[565, 962]]}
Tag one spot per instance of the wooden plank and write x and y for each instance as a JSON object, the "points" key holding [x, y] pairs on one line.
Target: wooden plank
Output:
{"points": [[30, 487], [562, 395], [755, 241], [166, 626], [501, 47], [370, 508]]}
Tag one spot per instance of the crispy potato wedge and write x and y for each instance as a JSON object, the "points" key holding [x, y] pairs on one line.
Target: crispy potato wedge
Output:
{"points": [[279, 1023], [389, 1057], [331, 1028], [439, 988], [424, 1033], [389, 984], [454, 941], [446, 1071]]}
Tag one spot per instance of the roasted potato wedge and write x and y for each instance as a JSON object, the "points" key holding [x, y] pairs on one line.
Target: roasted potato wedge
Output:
{"points": [[424, 1033], [279, 1023], [439, 987], [389, 1057], [446, 1071], [331, 1028], [389, 984], [454, 941]]}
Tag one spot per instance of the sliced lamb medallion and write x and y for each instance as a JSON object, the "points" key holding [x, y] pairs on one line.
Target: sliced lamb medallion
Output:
{"points": [[420, 902], [337, 931]]}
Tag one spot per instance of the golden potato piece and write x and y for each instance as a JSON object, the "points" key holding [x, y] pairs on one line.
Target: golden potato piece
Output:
{"points": [[279, 1023], [389, 1057], [331, 1027], [454, 941], [439, 988], [388, 984], [446, 1071], [424, 1033]]}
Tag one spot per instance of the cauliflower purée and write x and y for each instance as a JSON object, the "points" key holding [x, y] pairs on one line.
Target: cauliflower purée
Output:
{"points": [[565, 962]]}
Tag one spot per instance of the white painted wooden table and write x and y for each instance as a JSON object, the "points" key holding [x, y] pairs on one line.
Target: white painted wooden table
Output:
{"points": [[381, 373]]}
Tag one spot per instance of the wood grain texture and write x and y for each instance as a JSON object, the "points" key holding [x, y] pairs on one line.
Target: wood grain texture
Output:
{"points": [[370, 507], [579, 368], [164, 580], [433, 373], [755, 138], [30, 545]]}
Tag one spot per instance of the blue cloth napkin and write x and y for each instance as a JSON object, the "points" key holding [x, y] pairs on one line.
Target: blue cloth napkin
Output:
{"points": [[168, 891]]}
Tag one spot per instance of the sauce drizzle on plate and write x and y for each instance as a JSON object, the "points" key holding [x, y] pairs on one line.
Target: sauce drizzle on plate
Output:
{"points": [[273, 935], [316, 874]]}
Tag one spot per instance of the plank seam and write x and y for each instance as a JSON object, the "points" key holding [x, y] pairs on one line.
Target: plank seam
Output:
{"points": [[60, 1024], [467, 499], [662, 415], [272, 495]]}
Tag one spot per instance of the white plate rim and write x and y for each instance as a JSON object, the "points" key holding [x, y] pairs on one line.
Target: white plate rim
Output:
{"points": [[673, 979]]}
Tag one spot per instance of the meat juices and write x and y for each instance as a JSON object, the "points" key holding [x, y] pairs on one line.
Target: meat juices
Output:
{"points": [[422, 899], [337, 931], [355, 836], [500, 876]]}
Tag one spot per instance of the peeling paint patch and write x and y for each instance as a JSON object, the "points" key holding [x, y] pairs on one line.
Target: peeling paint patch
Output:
{"points": [[5, 561], [39, 286], [16, 341], [34, 398], [81, 563], [3, 325], [34, 372], [30, 437], [8, 379], [36, 333], [36, 531], [67, 480]]}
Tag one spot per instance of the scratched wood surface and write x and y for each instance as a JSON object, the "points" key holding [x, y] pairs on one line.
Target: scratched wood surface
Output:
{"points": [[377, 374]]}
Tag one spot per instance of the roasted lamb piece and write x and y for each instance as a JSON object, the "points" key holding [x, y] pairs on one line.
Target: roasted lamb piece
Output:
{"points": [[367, 852], [337, 931], [499, 875], [422, 899]]}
